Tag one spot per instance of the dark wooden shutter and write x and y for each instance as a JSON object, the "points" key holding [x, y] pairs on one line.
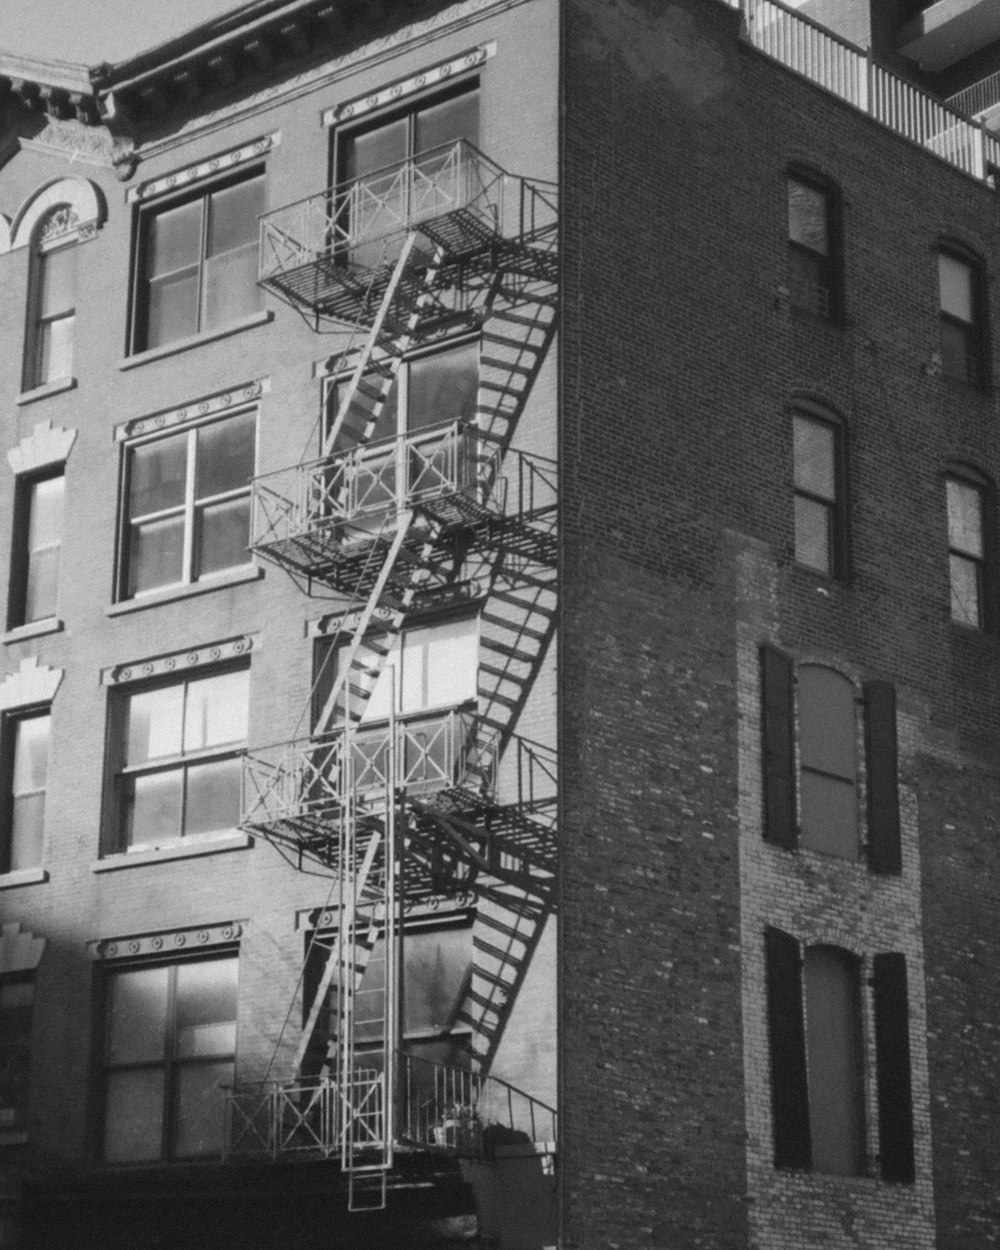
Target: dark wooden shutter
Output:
{"points": [[786, 1035], [778, 748], [892, 1055], [883, 777]]}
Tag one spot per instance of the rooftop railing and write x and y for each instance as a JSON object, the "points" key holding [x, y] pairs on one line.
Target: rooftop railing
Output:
{"points": [[850, 73], [977, 98]]}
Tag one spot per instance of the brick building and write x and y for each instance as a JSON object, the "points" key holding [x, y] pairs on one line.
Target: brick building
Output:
{"points": [[295, 452]]}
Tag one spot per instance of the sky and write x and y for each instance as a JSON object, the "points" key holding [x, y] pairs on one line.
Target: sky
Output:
{"points": [[90, 31]]}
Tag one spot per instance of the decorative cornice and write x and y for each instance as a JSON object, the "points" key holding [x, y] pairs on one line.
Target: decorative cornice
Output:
{"points": [[84, 144], [32, 683], [167, 942], [20, 951], [79, 195], [238, 397], [46, 444], [178, 662], [352, 109], [205, 169]]}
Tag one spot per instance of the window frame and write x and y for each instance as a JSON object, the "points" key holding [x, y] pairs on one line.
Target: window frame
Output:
{"points": [[18, 1121], [190, 509], [146, 211], [119, 771], [21, 550], [171, 1062], [838, 529], [976, 332], [985, 564], [830, 265], [10, 721], [38, 320]]}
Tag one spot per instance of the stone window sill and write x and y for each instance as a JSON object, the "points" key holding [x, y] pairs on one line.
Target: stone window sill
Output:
{"points": [[43, 392], [195, 340], [233, 577], [180, 850], [50, 625], [24, 876]]}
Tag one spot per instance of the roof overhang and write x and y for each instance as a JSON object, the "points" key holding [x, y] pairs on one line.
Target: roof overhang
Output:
{"points": [[950, 30]]}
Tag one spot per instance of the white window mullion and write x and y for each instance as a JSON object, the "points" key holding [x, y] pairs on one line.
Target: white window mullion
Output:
{"points": [[189, 508]]}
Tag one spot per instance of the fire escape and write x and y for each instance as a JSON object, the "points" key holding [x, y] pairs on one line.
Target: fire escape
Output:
{"points": [[431, 805]]}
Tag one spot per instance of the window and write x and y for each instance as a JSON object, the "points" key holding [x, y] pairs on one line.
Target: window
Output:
{"points": [[810, 763], [187, 504], [963, 338], [818, 1059], [969, 551], [169, 1044], [17, 998], [177, 774], [813, 246], [38, 529], [197, 266], [26, 765], [820, 515], [53, 303]]}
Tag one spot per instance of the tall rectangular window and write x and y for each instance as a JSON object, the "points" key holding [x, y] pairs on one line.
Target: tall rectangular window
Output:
{"points": [[819, 504], [169, 1044], [38, 525], [962, 329], [813, 247], [828, 801], [967, 551], [26, 759], [54, 319], [17, 997], [198, 262], [187, 504], [177, 769]]}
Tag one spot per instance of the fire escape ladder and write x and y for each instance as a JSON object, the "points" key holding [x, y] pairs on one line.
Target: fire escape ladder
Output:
{"points": [[514, 345]]}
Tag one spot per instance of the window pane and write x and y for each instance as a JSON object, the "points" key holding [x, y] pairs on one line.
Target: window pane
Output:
{"points": [[206, 999], [44, 537], [213, 797], [157, 473], [813, 449], [16, 1000], [437, 971], [31, 753], [45, 526], [232, 216], [833, 1032], [216, 710], [27, 826], [173, 241], [56, 281], [369, 1001], [965, 518], [172, 311], [155, 718], [225, 455], [384, 146], [443, 387], [813, 546], [42, 587], [452, 652], [955, 278], [829, 815], [199, 1108], [231, 289], [153, 807], [361, 408], [966, 605], [807, 223], [223, 536], [55, 350], [446, 122], [826, 721], [156, 554], [137, 1013], [958, 352], [133, 1115]]}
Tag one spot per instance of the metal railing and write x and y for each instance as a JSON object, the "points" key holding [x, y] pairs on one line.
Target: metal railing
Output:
{"points": [[312, 777], [439, 1106], [851, 73], [977, 98], [456, 177]]}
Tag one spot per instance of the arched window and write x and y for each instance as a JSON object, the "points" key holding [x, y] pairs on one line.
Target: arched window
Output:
{"points": [[815, 265], [52, 312]]}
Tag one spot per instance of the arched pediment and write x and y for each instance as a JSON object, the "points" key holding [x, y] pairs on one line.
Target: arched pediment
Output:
{"points": [[81, 197]]}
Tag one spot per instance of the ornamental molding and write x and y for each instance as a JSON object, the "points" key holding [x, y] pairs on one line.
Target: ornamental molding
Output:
{"points": [[251, 151], [32, 683], [81, 197], [20, 951], [442, 72], [441, 907], [178, 662], [238, 397], [382, 617], [370, 55], [167, 942], [45, 445], [83, 144]]}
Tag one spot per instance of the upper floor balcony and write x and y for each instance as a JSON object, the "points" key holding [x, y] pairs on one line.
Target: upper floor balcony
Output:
{"points": [[947, 31]]}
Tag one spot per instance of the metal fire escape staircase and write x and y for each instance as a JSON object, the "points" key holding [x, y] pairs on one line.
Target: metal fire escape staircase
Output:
{"points": [[381, 527]]}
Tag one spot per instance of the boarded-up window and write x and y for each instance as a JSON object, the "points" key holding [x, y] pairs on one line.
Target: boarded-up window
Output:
{"points": [[835, 1060], [828, 798]]}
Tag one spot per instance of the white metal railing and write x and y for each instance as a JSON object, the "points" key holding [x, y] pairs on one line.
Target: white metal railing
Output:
{"points": [[349, 216], [977, 98], [850, 73], [310, 777], [438, 1106]]}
